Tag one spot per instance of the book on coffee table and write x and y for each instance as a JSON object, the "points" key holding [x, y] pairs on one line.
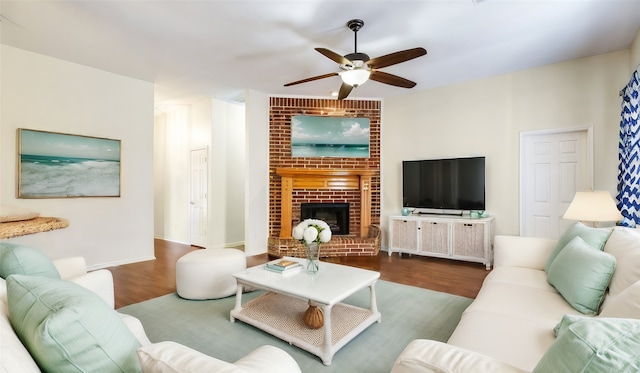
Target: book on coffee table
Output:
{"points": [[283, 267], [284, 264]]}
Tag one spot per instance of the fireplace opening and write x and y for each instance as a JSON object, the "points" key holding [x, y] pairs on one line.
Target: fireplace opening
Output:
{"points": [[335, 214]]}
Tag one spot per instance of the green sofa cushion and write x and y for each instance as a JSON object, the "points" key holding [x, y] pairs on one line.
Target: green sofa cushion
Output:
{"points": [[593, 345], [67, 328], [22, 260], [581, 275], [596, 237]]}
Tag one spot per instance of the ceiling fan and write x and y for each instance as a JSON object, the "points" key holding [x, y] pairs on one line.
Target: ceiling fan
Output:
{"points": [[357, 68]]}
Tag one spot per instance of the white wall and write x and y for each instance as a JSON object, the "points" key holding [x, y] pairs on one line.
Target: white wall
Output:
{"points": [[171, 162], [44, 93], [257, 173], [219, 127], [485, 118], [227, 177], [635, 52]]}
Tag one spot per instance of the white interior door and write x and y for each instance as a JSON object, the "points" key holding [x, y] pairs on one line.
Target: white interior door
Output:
{"points": [[199, 188], [554, 165]]}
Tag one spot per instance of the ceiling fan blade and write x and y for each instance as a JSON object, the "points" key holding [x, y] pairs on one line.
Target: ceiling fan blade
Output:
{"points": [[386, 78], [311, 79], [397, 57], [345, 89], [334, 56]]}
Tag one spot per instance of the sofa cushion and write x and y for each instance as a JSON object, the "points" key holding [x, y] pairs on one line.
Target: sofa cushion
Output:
{"points": [[593, 345], [624, 305], [67, 328], [527, 302], [595, 237], [22, 260], [522, 277], [582, 275], [14, 357], [509, 338]]}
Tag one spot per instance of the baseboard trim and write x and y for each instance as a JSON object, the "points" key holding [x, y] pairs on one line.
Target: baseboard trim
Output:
{"points": [[119, 262]]}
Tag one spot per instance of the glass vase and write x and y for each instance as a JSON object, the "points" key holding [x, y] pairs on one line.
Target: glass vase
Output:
{"points": [[313, 257]]}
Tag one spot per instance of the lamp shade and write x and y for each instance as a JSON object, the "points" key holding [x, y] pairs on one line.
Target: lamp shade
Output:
{"points": [[355, 77], [593, 206]]}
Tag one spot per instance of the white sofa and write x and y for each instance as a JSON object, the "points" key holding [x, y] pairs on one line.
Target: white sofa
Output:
{"points": [[153, 357], [509, 327]]}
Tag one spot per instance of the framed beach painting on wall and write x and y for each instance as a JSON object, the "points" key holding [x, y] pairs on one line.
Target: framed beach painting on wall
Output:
{"points": [[59, 165], [323, 136]]}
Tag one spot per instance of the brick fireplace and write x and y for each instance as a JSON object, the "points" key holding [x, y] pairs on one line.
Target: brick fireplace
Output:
{"points": [[294, 181]]}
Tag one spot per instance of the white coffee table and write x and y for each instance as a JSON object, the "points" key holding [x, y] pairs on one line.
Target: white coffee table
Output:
{"points": [[280, 311]]}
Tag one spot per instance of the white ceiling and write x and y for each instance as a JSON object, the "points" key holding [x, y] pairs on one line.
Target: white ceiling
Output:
{"points": [[215, 48]]}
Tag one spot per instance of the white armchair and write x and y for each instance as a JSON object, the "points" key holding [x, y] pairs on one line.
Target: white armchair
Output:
{"points": [[150, 355]]}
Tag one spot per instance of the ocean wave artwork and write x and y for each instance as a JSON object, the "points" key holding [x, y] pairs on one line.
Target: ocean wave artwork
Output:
{"points": [[324, 136], [57, 165], [330, 150]]}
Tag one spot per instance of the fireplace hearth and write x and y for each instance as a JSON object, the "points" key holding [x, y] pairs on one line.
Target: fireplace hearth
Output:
{"points": [[334, 214]]}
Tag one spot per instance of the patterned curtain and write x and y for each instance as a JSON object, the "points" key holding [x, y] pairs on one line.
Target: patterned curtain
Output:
{"points": [[628, 198]]}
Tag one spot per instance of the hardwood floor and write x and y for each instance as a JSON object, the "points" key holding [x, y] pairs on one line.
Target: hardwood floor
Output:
{"points": [[141, 281]]}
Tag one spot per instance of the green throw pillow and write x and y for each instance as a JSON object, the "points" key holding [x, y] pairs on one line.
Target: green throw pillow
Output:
{"points": [[596, 237], [22, 260], [582, 275], [67, 328], [593, 345]]}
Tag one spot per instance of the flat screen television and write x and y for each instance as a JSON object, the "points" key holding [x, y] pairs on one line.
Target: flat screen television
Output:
{"points": [[444, 184]]}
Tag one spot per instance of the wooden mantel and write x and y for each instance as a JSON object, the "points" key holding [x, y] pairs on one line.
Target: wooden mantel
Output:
{"points": [[323, 179]]}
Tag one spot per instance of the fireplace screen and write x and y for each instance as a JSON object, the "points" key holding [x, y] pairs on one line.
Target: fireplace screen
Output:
{"points": [[334, 214]]}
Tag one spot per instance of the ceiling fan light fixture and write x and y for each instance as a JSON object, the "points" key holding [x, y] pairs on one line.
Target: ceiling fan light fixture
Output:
{"points": [[355, 77]]}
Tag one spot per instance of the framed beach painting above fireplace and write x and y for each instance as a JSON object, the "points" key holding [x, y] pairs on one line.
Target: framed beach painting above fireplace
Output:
{"points": [[324, 136], [59, 165]]}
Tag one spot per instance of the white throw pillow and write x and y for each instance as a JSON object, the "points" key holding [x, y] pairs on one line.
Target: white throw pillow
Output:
{"points": [[622, 242], [627, 273], [624, 305]]}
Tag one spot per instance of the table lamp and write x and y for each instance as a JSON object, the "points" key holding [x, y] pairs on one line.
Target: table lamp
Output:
{"points": [[592, 206]]}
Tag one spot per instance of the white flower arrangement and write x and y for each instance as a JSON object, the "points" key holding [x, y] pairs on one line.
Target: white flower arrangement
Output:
{"points": [[312, 230]]}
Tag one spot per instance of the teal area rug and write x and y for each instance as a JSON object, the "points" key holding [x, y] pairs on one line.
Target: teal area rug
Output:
{"points": [[407, 313]]}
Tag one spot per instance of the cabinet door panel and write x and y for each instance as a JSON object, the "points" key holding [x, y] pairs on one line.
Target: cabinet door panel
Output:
{"points": [[468, 239], [434, 237], [405, 234]]}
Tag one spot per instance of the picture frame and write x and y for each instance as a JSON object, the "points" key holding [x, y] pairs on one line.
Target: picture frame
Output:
{"points": [[60, 165], [325, 136]]}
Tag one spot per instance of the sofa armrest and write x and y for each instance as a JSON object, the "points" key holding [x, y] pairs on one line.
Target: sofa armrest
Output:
{"points": [[423, 355], [526, 252], [99, 282], [172, 357], [74, 269], [71, 267], [136, 328]]}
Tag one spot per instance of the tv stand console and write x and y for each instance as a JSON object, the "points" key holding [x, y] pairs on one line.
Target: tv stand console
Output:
{"points": [[452, 237]]}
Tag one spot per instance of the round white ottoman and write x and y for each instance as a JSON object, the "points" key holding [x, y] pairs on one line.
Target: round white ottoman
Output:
{"points": [[206, 273]]}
